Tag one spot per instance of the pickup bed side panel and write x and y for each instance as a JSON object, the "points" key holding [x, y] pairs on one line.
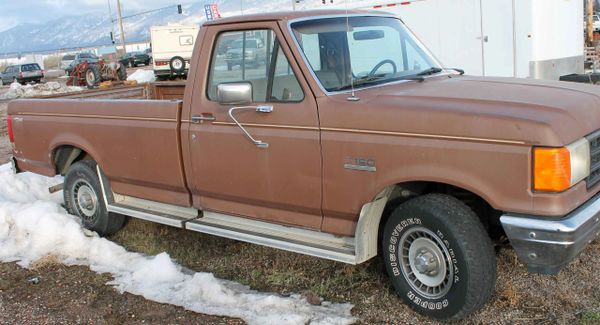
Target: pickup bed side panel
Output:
{"points": [[135, 142]]}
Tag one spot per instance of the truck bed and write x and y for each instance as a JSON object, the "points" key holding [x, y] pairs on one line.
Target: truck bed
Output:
{"points": [[132, 132]]}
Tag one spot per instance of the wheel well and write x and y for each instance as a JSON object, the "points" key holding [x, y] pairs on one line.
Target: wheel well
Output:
{"points": [[489, 217], [65, 156]]}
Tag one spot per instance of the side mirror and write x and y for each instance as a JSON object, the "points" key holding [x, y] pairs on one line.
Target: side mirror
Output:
{"points": [[235, 93]]}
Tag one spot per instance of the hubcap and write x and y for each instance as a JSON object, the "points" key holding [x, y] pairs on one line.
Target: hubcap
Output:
{"points": [[426, 262], [85, 198]]}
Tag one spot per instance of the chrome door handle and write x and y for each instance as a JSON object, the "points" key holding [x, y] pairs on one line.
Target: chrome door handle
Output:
{"points": [[203, 117], [259, 109]]}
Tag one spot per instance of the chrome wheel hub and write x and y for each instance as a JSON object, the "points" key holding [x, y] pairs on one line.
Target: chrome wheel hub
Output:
{"points": [[85, 198], [426, 262]]}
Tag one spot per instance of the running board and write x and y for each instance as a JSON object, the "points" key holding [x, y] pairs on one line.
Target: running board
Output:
{"points": [[351, 250]]}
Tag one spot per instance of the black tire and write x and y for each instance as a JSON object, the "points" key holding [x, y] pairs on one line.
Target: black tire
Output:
{"points": [[81, 180], [93, 76], [416, 228], [177, 65], [122, 73]]}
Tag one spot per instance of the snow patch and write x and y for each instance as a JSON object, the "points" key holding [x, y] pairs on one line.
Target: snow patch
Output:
{"points": [[33, 225], [50, 88], [142, 76]]}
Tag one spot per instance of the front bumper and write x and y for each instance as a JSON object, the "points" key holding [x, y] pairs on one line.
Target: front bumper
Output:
{"points": [[547, 246]]}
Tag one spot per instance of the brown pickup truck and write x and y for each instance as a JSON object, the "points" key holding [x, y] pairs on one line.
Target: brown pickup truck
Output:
{"points": [[348, 140]]}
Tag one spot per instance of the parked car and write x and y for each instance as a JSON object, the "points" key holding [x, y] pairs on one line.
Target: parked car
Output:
{"points": [[340, 148], [66, 61], [148, 52], [224, 46], [133, 59], [254, 53], [22, 73], [81, 57]]}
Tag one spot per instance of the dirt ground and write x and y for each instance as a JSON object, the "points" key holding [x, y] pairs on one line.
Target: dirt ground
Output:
{"points": [[78, 295]]}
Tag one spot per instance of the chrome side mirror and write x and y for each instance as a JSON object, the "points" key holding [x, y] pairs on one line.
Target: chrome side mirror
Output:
{"points": [[235, 93]]}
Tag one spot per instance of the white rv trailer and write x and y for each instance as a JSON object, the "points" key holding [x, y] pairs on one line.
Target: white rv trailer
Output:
{"points": [[172, 47], [511, 38]]}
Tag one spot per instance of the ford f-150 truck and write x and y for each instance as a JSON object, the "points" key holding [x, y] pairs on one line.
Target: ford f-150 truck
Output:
{"points": [[352, 141]]}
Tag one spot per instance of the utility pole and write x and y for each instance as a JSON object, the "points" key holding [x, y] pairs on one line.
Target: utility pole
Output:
{"points": [[112, 23], [590, 22], [121, 26]]}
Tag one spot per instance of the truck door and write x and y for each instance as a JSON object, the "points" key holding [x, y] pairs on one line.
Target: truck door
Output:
{"points": [[260, 159]]}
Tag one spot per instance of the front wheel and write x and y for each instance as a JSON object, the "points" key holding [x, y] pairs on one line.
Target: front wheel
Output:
{"points": [[439, 257], [83, 198]]}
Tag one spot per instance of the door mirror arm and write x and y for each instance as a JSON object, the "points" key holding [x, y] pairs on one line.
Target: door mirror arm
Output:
{"points": [[259, 109]]}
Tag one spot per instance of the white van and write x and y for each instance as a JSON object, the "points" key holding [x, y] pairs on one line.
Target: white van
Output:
{"points": [[172, 48]]}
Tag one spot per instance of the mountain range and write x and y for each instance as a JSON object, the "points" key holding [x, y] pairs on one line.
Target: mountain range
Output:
{"points": [[94, 29]]}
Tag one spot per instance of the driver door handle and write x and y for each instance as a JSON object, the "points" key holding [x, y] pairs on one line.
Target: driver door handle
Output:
{"points": [[197, 119]]}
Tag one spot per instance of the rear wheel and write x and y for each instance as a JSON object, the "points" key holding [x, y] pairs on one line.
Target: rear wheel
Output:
{"points": [[93, 76], [439, 257], [122, 73], [83, 198]]}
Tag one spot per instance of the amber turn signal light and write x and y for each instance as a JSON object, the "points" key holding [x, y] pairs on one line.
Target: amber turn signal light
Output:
{"points": [[552, 169]]}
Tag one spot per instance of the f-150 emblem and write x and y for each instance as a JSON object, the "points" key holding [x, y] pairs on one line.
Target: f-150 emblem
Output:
{"points": [[361, 164]]}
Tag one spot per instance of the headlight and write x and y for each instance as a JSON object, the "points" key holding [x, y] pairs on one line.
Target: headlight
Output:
{"points": [[557, 169]]}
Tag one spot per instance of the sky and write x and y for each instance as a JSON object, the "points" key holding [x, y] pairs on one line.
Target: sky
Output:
{"points": [[13, 12]]}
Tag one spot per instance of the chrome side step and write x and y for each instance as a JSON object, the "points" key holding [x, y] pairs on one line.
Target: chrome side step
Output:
{"points": [[291, 239], [351, 250]]}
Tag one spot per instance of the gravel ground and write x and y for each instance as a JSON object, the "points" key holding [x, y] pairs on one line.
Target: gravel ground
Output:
{"points": [[77, 295]]}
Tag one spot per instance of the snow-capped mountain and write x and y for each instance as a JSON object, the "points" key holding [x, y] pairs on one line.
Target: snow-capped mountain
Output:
{"points": [[94, 29]]}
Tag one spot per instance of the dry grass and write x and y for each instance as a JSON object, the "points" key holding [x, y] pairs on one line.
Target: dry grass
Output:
{"points": [[44, 262], [52, 62]]}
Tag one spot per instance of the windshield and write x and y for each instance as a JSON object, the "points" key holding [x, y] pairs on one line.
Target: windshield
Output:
{"points": [[361, 51]]}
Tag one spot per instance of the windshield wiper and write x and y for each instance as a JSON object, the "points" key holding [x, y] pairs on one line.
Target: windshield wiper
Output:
{"points": [[361, 81], [430, 71], [460, 71]]}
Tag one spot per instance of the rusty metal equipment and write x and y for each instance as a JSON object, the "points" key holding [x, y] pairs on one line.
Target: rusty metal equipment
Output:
{"points": [[92, 74]]}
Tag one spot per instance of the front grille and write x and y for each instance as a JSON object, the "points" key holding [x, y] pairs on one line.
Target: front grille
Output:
{"points": [[594, 177]]}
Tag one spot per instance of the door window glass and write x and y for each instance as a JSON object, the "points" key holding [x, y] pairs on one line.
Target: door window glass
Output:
{"points": [[246, 56]]}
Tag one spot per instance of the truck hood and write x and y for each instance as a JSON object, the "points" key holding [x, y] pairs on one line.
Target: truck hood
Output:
{"points": [[549, 113]]}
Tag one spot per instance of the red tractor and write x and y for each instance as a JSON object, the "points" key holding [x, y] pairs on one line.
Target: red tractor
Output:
{"points": [[92, 74]]}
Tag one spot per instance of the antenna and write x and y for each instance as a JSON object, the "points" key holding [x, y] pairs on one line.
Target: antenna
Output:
{"points": [[352, 97]]}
